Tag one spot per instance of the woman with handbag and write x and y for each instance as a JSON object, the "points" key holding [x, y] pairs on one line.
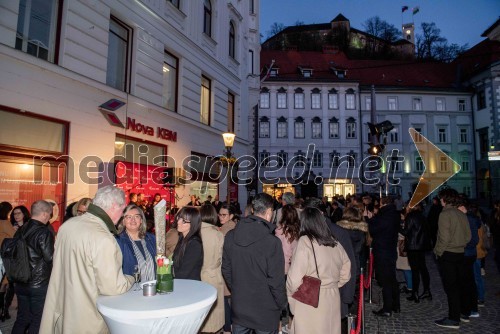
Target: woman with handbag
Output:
{"points": [[320, 266]]}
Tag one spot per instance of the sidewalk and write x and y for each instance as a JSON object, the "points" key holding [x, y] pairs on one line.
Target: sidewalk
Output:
{"points": [[419, 318], [414, 318]]}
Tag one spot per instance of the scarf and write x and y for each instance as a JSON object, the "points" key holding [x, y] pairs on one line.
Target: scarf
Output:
{"points": [[146, 265], [100, 213]]}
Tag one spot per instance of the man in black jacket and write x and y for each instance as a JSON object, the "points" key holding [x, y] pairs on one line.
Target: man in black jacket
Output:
{"points": [[31, 295], [384, 228], [253, 266]]}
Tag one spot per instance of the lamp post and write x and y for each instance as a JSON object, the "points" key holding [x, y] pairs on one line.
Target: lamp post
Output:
{"points": [[228, 143]]}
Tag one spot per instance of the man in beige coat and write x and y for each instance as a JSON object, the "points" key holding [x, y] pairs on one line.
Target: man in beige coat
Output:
{"points": [[87, 263]]}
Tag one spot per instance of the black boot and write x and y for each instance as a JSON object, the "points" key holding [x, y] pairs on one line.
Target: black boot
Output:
{"points": [[2, 296], [9, 296], [426, 295], [413, 297]]}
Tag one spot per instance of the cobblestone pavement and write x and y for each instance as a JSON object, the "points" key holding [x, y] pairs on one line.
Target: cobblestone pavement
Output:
{"points": [[414, 318], [419, 318]]}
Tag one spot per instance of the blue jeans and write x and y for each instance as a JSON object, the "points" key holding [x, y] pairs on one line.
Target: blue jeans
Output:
{"points": [[237, 329], [408, 279], [479, 280], [30, 309]]}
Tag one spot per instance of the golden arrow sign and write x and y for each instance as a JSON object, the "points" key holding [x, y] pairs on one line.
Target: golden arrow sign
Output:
{"points": [[438, 167]]}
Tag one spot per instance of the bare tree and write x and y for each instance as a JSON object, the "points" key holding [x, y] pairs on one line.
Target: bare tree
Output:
{"points": [[382, 29], [430, 45], [275, 29]]}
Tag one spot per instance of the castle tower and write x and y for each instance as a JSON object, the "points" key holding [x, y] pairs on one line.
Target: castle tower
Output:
{"points": [[409, 32]]}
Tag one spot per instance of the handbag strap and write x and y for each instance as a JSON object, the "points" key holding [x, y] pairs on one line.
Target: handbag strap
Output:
{"points": [[314, 253]]}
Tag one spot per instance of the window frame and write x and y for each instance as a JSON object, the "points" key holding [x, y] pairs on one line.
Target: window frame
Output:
{"points": [[463, 135], [295, 97], [267, 105], [462, 104], [316, 125], [315, 100], [128, 54], [207, 18], [303, 129], [392, 103], [264, 123], [350, 133], [231, 111], [419, 164], [281, 128], [317, 159], [442, 136], [350, 105], [232, 40], [22, 41], [208, 103], [440, 104], [175, 68], [281, 98], [416, 103], [331, 127], [333, 104]]}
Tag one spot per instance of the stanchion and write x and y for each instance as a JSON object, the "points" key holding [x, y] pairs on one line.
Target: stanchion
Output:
{"points": [[351, 321], [368, 284]]}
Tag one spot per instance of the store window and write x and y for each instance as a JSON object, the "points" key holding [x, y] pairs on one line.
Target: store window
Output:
{"points": [[33, 164]]}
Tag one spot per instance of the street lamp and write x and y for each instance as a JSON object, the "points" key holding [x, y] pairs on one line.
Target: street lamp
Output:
{"points": [[378, 147], [228, 143]]}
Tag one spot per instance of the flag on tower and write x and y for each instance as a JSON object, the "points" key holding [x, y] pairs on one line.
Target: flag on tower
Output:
{"points": [[404, 8], [416, 10]]}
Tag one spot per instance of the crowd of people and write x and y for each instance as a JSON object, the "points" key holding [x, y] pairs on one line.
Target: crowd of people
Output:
{"points": [[256, 258]]}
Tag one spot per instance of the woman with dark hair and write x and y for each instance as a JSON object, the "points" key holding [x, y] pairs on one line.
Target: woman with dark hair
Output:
{"points": [[188, 253], [318, 254], [288, 230], [19, 216], [213, 241], [138, 247], [227, 218], [352, 221]]}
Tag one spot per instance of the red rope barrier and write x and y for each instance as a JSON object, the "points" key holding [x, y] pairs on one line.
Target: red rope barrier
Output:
{"points": [[368, 280], [360, 305]]}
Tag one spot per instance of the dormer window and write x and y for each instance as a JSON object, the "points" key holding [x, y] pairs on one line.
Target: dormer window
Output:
{"points": [[306, 72], [340, 73]]}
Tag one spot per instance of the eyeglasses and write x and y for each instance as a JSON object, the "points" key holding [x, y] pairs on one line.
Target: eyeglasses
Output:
{"points": [[223, 214], [183, 221], [130, 217]]}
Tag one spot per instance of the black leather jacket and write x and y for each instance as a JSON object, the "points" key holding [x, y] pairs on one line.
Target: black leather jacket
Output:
{"points": [[40, 243], [416, 232]]}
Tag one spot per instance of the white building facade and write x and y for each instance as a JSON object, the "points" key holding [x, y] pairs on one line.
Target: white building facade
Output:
{"points": [[177, 74], [313, 125]]}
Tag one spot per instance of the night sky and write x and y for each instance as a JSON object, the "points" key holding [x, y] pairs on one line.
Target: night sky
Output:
{"points": [[460, 21]]}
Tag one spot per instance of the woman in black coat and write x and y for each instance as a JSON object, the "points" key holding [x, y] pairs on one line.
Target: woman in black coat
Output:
{"points": [[188, 254], [417, 242]]}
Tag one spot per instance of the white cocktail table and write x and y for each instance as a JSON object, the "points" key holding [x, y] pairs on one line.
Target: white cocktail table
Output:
{"points": [[181, 311]]}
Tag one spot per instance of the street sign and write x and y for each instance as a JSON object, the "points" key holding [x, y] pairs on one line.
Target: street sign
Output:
{"points": [[494, 156]]}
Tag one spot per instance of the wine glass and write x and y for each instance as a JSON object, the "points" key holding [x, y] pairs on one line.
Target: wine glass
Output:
{"points": [[137, 277]]}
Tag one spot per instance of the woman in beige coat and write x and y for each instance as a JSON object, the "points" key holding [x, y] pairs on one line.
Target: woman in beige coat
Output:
{"points": [[334, 268], [213, 241]]}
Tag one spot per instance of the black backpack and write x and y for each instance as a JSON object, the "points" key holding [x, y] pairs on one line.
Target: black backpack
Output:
{"points": [[15, 257]]}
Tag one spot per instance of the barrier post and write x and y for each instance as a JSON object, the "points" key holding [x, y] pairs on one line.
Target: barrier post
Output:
{"points": [[351, 321], [370, 273]]}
